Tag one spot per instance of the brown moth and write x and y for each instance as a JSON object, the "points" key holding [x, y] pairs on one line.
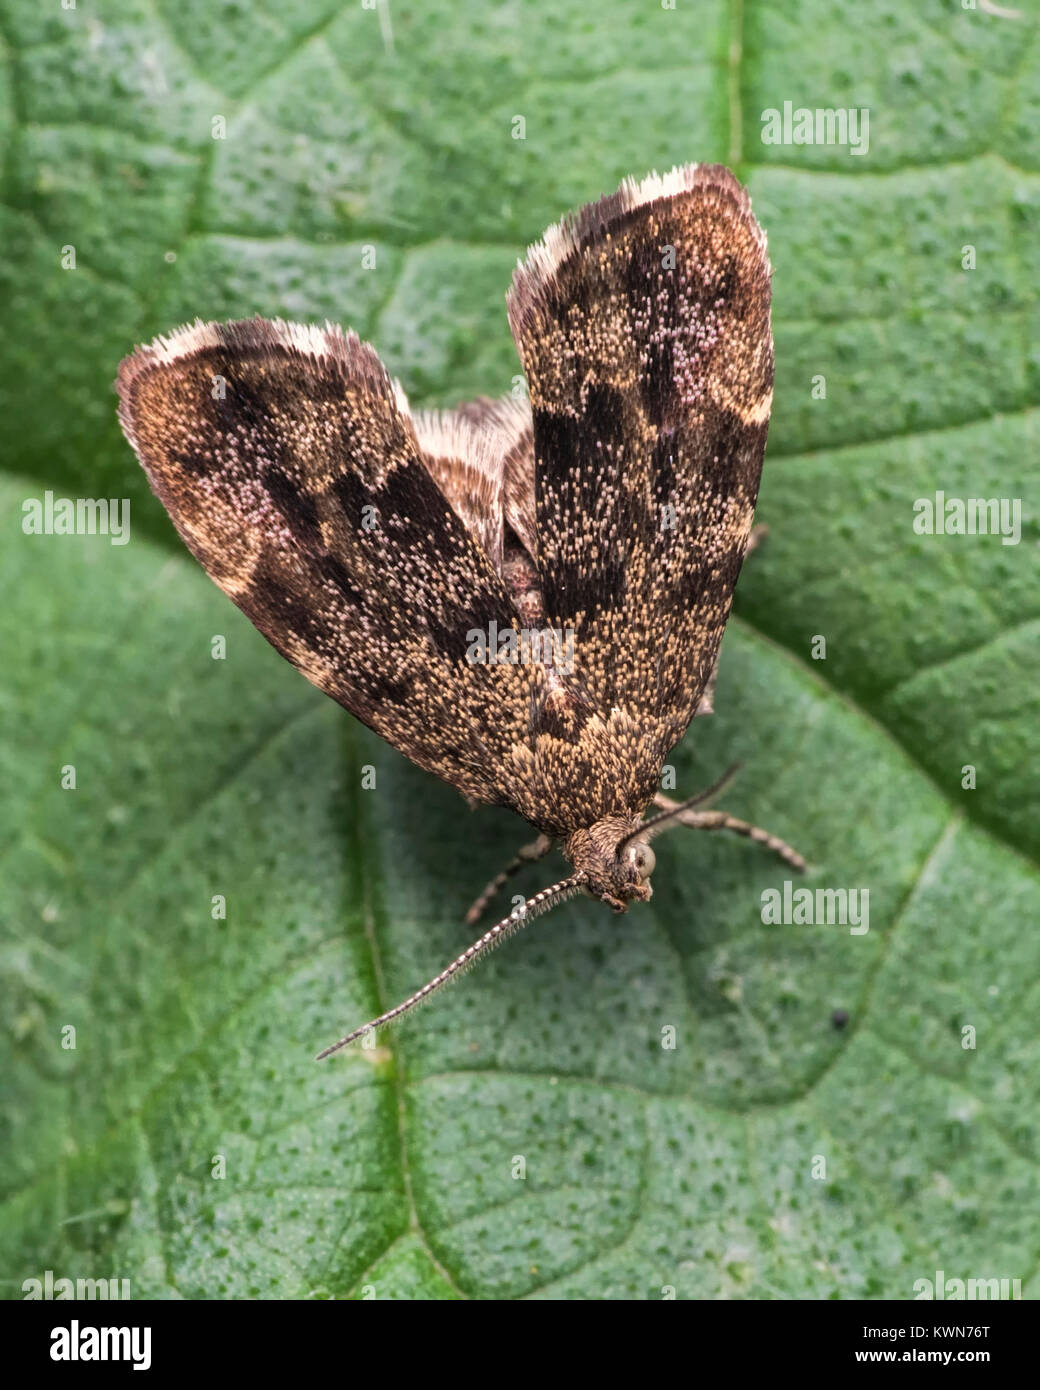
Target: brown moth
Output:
{"points": [[598, 531]]}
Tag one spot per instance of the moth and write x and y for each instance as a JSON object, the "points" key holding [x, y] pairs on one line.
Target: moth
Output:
{"points": [[372, 545]]}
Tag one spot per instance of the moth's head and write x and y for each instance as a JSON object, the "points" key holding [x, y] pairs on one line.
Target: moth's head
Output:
{"points": [[616, 860]]}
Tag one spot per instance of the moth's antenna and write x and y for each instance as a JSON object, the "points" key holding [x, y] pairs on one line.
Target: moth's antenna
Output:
{"points": [[658, 823], [519, 917]]}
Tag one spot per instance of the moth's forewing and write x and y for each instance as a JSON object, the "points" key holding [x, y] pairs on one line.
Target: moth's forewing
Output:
{"points": [[643, 326], [287, 460]]}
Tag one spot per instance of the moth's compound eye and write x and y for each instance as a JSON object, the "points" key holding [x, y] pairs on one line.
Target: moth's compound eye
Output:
{"points": [[642, 859]]}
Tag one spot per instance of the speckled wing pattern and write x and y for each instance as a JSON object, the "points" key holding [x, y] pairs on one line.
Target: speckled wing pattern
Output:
{"points": [[365, 541], [643, 327], [288, 461]]}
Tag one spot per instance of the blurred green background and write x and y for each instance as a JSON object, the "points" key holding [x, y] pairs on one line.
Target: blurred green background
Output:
{"points": [[648, 1170]]}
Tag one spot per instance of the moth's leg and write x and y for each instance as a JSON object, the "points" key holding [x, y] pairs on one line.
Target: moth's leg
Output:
{"points": [[758, 535], [528, 854], [720, 820]]}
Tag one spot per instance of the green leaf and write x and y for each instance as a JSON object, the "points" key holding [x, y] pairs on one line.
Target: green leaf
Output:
{"points": [[528, 1134]]}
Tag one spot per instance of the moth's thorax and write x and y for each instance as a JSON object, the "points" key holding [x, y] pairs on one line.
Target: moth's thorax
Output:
{"points": [[618, 872]]}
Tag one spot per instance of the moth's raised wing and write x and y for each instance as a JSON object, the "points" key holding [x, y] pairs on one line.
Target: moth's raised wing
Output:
{"points": [[289, 464], [481, 456], [643, 325]]}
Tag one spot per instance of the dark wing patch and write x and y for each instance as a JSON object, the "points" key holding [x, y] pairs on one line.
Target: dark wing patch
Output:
{"points": [[643, 327], [289, 464]]}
